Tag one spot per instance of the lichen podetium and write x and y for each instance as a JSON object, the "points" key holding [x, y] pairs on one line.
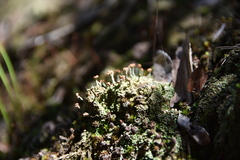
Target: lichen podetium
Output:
{"points": [[129, 117]]}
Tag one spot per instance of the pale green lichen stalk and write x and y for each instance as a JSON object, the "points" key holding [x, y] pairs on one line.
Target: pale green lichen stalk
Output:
{"points": [[129, 117]]}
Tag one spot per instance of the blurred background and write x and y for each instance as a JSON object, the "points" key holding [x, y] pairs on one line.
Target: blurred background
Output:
{"points": [[50, 50]]}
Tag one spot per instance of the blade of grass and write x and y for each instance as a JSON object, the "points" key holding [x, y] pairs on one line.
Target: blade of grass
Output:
{"points": [[2, 107], [12, 89], [5, 115], [5, 80], [10, 68]]}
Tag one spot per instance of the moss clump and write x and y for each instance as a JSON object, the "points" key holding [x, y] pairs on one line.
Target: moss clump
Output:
{"points": [[129, 118], [215, 99], [216, 108]]}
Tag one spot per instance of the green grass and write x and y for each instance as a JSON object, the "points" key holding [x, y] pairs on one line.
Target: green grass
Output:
{"points": [[12, 88]]}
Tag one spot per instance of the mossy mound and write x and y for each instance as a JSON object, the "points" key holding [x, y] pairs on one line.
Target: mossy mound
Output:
{"points": [[128, 118], [217, 108]]}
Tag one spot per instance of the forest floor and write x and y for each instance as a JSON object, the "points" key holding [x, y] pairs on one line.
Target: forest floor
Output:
{"points": [[57, 47]]}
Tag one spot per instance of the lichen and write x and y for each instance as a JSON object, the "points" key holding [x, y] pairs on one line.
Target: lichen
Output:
{"points": [[129, 117]]}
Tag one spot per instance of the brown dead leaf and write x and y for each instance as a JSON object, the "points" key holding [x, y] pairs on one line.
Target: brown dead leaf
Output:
{"points": [[182, 69], [197, 79]]}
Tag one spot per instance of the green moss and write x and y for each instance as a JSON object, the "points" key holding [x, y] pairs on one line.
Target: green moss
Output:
{"points": [[214, 98], [130, 117], [215, 108]]}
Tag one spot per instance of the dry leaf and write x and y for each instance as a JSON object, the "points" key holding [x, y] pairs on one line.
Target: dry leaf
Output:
{"points": [[162, 66], [197, 79], [182, 69], [196, 132]]}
